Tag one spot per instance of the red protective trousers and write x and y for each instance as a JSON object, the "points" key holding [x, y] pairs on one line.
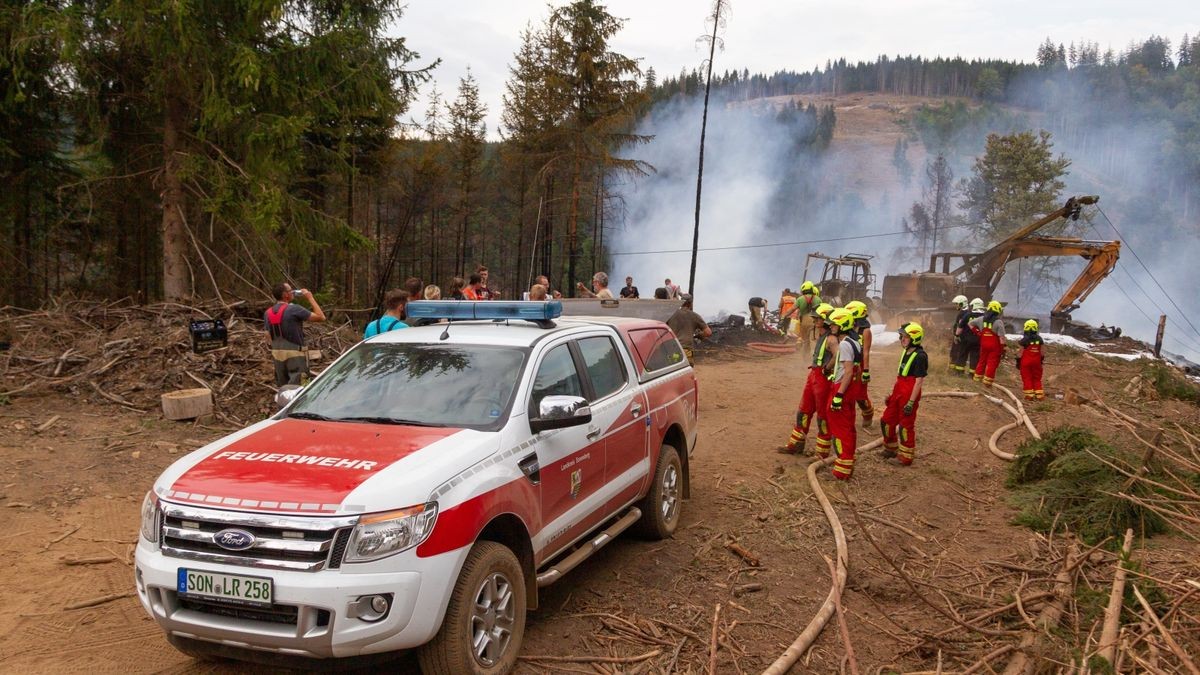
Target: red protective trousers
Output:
{"points": [[812, 403], [1031, 373], [990, 351], [842, 430], [900, 430]]}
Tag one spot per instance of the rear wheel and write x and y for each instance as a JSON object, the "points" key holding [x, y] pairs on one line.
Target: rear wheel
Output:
{"points": [[662, 505], [485, 620]]}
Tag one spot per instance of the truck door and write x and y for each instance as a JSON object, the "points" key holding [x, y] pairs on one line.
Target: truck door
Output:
{"points": [[571, 460], [619, 409]]}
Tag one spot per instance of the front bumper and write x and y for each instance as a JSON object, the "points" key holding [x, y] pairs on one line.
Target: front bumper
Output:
{"points": [[310, 616]]}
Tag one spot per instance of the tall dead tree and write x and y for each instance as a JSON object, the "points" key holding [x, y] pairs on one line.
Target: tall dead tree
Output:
{"points": [[720, 8]]}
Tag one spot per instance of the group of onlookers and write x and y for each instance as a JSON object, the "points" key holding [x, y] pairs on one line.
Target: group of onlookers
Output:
{"points": [[284, 320]]}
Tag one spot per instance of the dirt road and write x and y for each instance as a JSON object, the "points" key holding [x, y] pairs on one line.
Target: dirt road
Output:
{"points": [[73, 476]]}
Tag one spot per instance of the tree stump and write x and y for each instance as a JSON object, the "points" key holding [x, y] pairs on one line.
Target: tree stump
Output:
{"points": [[186, 404]]}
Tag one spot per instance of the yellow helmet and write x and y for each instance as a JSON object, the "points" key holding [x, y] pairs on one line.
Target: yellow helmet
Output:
{"points": [[914, 331], [857, 308], [995, 306], [823, 310], [842, 319], [808, 288], [1031, 325]]}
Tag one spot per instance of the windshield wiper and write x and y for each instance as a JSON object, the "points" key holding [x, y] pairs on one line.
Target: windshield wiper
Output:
{"points": [[309, 416], [386, 420]]}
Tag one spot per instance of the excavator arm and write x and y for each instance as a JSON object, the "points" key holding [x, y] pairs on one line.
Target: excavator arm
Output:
{"points": [[985, 270], [1102, 259]]}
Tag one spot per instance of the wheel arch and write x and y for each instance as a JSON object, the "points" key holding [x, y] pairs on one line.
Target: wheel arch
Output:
{"points": [[508, 529], [678, 440]]}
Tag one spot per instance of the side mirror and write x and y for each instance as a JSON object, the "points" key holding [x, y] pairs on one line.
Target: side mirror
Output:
{"points": [[559, 412], [286, 394]]}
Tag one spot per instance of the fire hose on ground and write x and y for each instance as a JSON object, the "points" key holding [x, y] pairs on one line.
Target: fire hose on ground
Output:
{"points": [[809, 635]]}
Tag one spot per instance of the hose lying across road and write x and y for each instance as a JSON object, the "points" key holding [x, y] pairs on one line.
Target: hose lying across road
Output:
{"points": [[772, 347], [809, 635]]}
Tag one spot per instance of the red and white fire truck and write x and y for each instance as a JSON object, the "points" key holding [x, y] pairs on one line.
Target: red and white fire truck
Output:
{"points": [[419, 491]]}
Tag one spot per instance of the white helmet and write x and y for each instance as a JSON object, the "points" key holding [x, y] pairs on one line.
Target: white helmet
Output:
{"points": [[961, 301], [977, 304]]}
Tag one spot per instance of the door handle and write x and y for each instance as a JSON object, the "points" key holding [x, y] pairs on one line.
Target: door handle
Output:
{"points": [[592, 433], [636, 409]]}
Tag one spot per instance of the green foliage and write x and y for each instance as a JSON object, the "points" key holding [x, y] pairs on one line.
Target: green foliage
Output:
{"points": [[1068, 477], [1169, 383], [1016, 179]]}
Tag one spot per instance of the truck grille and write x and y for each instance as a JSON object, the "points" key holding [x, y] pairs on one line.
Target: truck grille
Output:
{"points": [[305, 544]]}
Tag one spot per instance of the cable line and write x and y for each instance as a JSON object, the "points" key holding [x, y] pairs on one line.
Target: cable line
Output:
{"points": [[780, 243], [1151, 274]]}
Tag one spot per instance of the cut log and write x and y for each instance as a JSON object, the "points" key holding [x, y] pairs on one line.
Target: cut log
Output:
{"points": [[186, 404], [314, 355]]}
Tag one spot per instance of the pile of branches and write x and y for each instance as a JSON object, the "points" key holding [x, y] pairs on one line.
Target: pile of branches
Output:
{"points": [[1057, 606], [128, 355]]}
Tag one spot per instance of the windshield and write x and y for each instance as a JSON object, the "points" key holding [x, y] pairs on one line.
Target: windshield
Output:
{"points": [[431, 385]]}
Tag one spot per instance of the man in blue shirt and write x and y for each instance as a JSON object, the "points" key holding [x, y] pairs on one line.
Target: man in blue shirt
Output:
{"points": [[395, 302]]}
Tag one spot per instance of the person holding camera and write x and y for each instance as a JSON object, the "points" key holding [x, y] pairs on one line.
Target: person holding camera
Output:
{"points": [[284, 323]]}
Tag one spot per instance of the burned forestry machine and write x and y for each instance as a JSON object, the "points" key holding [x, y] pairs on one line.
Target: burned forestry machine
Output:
{"points": [[926, 296]]}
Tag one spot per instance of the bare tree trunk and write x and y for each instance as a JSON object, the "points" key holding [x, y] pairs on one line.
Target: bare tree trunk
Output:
{"points": [[573, 226], [175, 281], [712, 48]]}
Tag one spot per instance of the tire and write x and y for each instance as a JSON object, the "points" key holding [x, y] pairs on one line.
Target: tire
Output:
{"points": [[663, 503], [491, 573]]}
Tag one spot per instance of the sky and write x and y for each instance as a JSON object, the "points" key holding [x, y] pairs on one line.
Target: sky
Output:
{"points": [[770, 35]]}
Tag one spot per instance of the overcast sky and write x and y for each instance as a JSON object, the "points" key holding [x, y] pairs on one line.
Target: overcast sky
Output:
{"points": [[769, 35]]}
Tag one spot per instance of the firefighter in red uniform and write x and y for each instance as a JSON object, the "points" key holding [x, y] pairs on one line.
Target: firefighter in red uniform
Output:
{"points": [[899, 420], [862, 326], [847, 369], [1030, 362], [816, 390], [992, 342]]}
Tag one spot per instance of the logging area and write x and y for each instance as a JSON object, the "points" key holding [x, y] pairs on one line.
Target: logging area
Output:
{"points": [[994, 552]]}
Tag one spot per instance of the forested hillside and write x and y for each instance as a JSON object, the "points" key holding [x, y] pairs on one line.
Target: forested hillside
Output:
{"points": [[213, 151]]}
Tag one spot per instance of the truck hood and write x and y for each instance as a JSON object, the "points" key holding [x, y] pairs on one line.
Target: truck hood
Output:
{"points": [[311, 467]]}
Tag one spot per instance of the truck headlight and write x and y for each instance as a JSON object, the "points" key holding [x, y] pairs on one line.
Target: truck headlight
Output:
{"points": [[150, 518], [383, 534]]}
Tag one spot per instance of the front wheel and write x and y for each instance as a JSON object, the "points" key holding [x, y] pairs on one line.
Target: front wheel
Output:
{"points": [[661, 506], [485, 620]]}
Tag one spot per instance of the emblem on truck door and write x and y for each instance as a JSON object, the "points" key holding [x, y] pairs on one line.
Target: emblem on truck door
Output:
{"points": [[576, 482], [234, 540]]}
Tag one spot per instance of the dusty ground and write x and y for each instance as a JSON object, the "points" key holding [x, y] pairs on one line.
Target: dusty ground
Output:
{"points": [[71, 492]]}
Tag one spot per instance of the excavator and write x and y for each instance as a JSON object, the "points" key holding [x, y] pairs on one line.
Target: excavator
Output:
{"points": [[926, 296]]}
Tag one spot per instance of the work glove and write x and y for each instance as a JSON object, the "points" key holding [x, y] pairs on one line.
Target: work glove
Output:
{"points": [[866, 376], [957, 339], [908, 408], [837, 402]]}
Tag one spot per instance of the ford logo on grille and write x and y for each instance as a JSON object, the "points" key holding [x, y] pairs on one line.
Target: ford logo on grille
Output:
{"points": [[234, 540]]}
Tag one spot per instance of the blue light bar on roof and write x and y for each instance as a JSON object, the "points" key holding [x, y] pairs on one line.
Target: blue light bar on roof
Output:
{"points": [[493, 309]]}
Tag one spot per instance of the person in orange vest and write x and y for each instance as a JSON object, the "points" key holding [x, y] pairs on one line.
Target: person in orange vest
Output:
{"points": [[1030, 362], [816, 391], [899, 420], [840, 411], [992, 342], [862, 326], [787, 301], [805, 311]]}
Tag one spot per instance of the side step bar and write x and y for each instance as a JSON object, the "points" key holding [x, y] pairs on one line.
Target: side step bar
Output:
{"points": [[586, 550]]}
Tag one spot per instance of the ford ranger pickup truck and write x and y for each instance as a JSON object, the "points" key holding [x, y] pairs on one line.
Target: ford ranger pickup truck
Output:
{"points": [[420, 490]]}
